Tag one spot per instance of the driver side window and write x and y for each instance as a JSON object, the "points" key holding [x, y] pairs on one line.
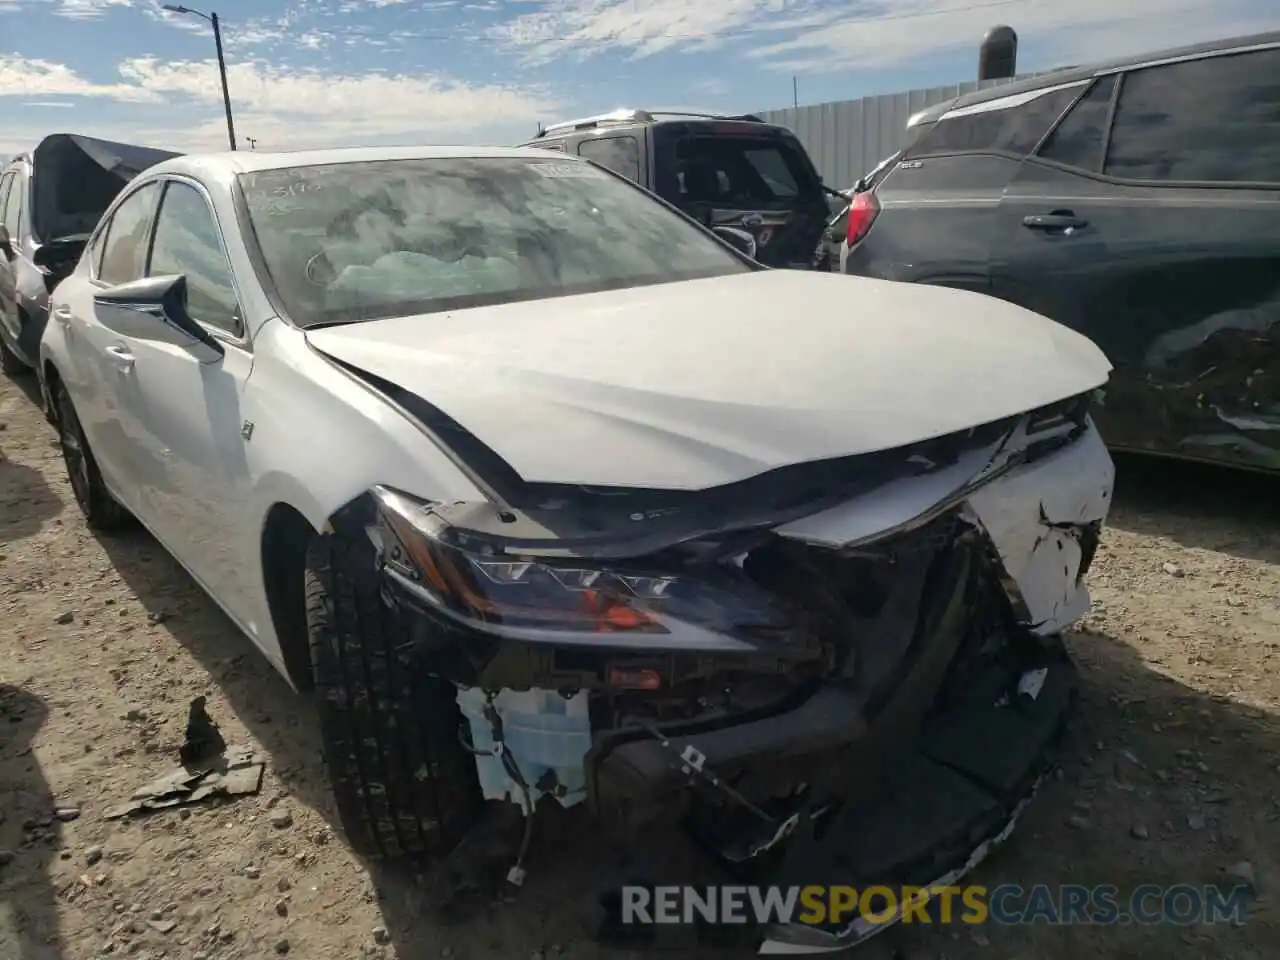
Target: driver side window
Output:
{"points": [[125, 247], [187, 242]]}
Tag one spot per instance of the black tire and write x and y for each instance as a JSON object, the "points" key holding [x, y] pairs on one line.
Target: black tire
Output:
{"points": [[405, 786], [102, 512], [11, 365]]}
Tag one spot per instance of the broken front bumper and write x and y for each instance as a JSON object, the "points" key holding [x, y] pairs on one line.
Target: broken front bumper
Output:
{"points": [[943, 804], [954, 716]]}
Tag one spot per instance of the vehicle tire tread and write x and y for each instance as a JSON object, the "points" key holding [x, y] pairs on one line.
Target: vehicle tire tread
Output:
{"points": [[103, 513], [401, 779]]}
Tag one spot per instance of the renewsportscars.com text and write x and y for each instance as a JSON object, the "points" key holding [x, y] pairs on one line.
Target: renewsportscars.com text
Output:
{"points": [[1008, 904]]}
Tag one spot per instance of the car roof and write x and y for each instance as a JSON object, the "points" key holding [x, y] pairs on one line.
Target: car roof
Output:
{"points": [[227, 164], [1070, 74], [632, 118]]}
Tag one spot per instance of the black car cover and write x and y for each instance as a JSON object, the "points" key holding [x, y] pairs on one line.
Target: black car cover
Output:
{"points": [[76, 178]]}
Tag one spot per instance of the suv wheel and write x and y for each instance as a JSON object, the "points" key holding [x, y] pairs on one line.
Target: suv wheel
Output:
{"points": [[100, 509], [404, 784]]}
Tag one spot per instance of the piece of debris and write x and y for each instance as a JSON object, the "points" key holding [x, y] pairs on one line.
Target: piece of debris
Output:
{"points": [[1173, 570], [93, 855], [6, 857], [1139, 832], [157, 616], [1078, 822], [381, 935], [65, 618], [283, 885], [1195, 821], [252, 872], [282, 908], [162, 926], [238, 772], [280, 819], [1242, 872], [282, 946], [204, 739], [66, 814]]}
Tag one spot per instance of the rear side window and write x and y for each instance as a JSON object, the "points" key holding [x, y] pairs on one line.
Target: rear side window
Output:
{"points": [[1215, 120], [1079, 139], [758, 172], [619, 154], [1012, 124]]}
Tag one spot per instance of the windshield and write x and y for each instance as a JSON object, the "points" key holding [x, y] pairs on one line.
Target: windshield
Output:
{"points": [[361, 241]]}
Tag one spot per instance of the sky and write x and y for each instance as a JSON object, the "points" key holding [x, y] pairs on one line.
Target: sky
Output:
{"points": [[316, 73]]}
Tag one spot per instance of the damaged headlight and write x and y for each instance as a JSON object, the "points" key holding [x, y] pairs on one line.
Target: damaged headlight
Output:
{"points": [[467, 577]]}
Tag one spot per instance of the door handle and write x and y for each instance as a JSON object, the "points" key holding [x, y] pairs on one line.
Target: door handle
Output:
{"points": [[1058, 220], [121, 357]]}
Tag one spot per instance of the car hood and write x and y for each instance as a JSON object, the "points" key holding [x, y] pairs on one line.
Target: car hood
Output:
{"points": [[695, 384]]}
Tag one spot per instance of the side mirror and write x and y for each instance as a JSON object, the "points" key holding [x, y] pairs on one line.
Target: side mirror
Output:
{"points": [[6, 243], [58, 257], [740, 240], [154, 308]]}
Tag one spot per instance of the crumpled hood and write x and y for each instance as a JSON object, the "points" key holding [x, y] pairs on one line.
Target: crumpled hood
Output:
{"points": [[77, 177], [697, 384]]}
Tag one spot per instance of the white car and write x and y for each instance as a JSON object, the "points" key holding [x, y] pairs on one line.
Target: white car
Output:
{"points": [[552, 495]]}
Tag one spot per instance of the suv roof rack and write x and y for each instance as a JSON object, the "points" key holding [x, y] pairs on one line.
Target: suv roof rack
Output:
{"points": [[630, 115]]}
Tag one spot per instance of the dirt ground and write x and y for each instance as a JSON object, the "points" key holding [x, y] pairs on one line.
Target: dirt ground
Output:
{"points": [[1172, 775]]}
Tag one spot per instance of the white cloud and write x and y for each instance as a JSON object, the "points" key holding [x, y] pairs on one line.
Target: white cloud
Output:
{"points": [[87, 9], [830, 35], [313, 107], [48, 103], [1080, 31], [598, 26], [22, 77], [282, 108]]}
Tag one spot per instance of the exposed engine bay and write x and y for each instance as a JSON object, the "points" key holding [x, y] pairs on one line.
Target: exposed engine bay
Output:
{"points": [[728, 663]]}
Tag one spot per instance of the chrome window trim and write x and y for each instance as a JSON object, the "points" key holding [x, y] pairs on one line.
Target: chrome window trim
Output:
{"points": [[242, 341]]}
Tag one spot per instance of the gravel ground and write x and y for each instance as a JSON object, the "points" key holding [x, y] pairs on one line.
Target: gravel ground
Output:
{"points": [[1172, 775]]}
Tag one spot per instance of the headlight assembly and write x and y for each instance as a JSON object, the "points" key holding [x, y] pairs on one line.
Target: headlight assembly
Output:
{"points": [[466, 577]]}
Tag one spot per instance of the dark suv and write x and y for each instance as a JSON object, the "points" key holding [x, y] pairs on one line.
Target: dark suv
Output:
{"points": [[50, 201], [735, 172], [1137, 202]]}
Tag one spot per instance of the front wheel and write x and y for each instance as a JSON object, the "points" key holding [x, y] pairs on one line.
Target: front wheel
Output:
{"points": [[101, 510], [404, 784]]}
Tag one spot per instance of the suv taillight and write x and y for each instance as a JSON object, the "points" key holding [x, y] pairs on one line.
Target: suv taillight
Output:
{"points": [[862, 213]]}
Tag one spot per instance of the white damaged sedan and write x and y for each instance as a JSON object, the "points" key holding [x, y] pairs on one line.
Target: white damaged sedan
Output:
{"points": [[552, 496]]}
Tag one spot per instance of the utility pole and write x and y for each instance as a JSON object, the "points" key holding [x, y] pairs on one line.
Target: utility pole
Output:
{"points": [[253, 142], [795, 94], [222, 71], [212, 18]]}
